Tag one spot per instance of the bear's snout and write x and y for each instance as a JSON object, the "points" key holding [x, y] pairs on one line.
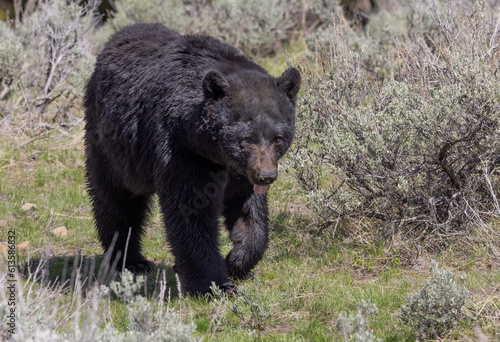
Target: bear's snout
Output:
{"points": [[262, 165], [262, 176], [267, 176]]}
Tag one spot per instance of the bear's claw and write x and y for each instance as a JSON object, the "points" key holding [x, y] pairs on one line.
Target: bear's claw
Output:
{"points": [[143, 266]]}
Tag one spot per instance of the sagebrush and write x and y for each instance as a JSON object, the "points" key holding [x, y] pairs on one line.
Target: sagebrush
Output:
{"points": [[409, 150], [258, 27], [50, 311], [45, 61], [437, 308], [355, 327]]}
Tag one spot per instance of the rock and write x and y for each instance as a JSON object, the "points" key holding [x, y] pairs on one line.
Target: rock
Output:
{"points": [[28, 206], [23, 246], [60, 231]]}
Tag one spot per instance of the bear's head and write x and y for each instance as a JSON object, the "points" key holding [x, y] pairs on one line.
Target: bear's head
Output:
{"points": [[251, 117]]}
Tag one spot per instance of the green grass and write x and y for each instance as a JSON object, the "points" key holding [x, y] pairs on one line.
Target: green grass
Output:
{"points": [[303, 283], [49, 174]]}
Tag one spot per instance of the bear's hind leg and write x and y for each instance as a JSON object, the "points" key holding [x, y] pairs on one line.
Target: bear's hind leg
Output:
{"points": [[122, 215]]}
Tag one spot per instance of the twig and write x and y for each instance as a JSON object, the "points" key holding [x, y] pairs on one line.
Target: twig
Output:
{"points": [[40, 135]]}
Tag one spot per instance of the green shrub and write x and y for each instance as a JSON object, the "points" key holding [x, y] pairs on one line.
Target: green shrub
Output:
{"points": [[52, 312], [11, 59], [258, 27], [126, 12], [377, 46], [147, 320], [354, 328], [409, 150], [57, 60], [254, 26], [434, 310]]}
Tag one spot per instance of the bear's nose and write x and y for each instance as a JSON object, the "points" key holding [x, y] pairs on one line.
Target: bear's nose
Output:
{"points": [[267, 176]]}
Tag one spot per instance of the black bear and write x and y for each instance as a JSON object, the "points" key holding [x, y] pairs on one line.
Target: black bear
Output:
{"points": [[198, 123]]}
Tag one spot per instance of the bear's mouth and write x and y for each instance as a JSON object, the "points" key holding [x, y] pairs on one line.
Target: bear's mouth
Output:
{"points": [[261, 189], [262, 179], [261, 186]]}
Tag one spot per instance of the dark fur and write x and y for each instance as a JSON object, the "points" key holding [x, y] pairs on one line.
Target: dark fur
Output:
{"points": [[197, 122]]}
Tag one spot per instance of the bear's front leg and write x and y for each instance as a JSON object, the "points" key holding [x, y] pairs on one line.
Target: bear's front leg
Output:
{"points": [[246, 215], [191, 203]]}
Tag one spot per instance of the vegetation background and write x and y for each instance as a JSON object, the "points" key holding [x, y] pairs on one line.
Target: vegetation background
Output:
{"points": [[385, 221]]}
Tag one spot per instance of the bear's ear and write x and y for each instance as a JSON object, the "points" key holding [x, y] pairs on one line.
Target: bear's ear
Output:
{"points": [[214, 85], [289, 83]]}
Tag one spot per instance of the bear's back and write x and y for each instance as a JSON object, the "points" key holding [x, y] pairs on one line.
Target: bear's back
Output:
{"points": [[143, 53]]}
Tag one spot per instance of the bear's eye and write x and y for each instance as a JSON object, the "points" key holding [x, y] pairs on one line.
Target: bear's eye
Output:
{"points": [[277, 139]]}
